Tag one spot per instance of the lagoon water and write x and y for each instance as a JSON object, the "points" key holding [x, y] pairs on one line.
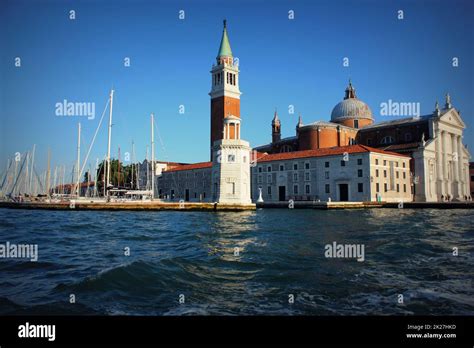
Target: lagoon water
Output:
{"points": [[245, 263]]}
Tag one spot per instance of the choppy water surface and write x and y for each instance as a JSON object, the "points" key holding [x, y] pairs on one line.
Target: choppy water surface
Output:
{"points": [[280, 252]]}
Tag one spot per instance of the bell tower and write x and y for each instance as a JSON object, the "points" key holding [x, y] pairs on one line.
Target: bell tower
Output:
{"points": [[225, 92], [276, 128]]}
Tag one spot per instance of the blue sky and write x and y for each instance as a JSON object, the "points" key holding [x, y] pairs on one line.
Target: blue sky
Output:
{"points": [[283, 62]]}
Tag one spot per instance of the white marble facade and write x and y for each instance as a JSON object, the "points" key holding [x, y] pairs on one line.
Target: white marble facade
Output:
{"points": [[442, 163]]}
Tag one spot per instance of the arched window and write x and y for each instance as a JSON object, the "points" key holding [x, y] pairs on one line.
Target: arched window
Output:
{"points": [[387, 140]]}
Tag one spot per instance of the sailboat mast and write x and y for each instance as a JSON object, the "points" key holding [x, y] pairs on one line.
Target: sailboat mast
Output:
{"points": [[26, 175], [107, 181], [32, 168], [118, 168], [78, 164], [147, 170], [96, 176], [48, 179], [152, 157]]}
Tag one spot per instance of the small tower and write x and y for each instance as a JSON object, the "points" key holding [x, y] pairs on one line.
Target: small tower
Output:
{"points": [[225, 92], [276, 128], [231, 166], [299, 124]]}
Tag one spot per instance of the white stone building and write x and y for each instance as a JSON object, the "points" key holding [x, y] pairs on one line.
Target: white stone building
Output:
{"points": [[347, 173], [440, 165]]}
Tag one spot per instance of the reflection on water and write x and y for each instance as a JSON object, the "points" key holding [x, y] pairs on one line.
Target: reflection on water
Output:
{"points": [[239, 263]]}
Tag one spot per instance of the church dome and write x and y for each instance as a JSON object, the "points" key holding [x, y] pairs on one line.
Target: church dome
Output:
{"points": [[351, 109]]}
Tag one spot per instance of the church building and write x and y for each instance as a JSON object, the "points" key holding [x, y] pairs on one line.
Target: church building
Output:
{"points": [[349, 158]]}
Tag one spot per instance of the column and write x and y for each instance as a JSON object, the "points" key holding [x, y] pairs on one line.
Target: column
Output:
{"points": [[444, 136], [462, 179], [456, 159], [439, 165]]}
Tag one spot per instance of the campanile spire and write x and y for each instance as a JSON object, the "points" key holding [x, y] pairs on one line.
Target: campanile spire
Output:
{"points": [[225, 92], [225, 52]]}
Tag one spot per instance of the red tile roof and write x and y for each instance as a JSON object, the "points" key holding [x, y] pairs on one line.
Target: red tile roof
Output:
{"points": [[332, 151], [172, 163], [199, 165], [256, 155]]}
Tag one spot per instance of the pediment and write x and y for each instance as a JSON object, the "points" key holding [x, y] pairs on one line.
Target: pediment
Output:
{"points": [[452, 117]]}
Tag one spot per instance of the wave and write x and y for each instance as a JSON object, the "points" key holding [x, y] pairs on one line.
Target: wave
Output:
{"points": [[9, 307]]}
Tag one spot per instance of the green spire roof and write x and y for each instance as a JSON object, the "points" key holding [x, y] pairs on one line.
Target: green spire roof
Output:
{"points": [[224, 49]]}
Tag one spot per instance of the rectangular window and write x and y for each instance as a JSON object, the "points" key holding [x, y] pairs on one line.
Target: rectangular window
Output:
{"points": [[360, 187], [295, 166], [282, 167], [398, 187], [356, 123], [327, 188], [306, 176], [359, 173], [306, 165], [384, 173], [404, 188], [295, 177], [377, 187], [269, 178], [384, 162], [259, 179], [326, 175], [231, 158], [359, 161], [308, 189], [376, 161], [385, 187], [295, 189], [404, 175], [326, 164], [376, 173], [269, 168], [343, 163], [259, 169], [392, 176], [403, 164], [269, 190]]}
